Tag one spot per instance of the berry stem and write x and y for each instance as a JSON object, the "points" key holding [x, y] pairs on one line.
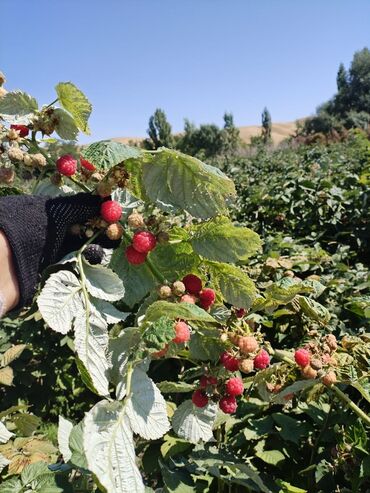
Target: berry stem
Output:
{"points": [[90, 240], [79, 184], [155, 271], [52, 103], [344, 398]]}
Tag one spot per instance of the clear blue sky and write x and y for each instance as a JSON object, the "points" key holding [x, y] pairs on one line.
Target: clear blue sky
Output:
{"points": [[193, 58]]}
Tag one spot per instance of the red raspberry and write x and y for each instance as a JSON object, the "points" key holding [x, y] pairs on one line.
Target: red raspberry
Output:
{"points": [[67, 165], [229, 362], [262, 360], [247, 344], [21, 129], [189, 298], [199, 398], [192, 283], [207, 380], [161, 353], [134, 257], [228, 404], [87, 165], [182, 333], [111, 211], [234, 386], [302, 357], [240, 312], [144, 241], [207, 298]]}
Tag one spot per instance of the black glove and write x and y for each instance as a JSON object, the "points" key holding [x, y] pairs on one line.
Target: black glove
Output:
{"points": [[37, 229]]}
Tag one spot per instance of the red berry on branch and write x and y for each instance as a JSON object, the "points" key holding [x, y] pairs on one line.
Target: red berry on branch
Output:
{"points": [[240, 312], [111, 211], [207, 298], [229, 362], [134, 257], [192, 283], [144, 241], [182, 333], [67, 165], [302, 357], [247, 344], [205, 380], [234, 386], [161, 353], [262, 360], [21, 129], [199, 398], [228, 404], [87, 165], [188, 298]]}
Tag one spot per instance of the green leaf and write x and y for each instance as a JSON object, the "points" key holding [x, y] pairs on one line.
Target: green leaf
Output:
{"points": [[159, 333], [176, 387], [17, 103], [285, 290], [5, 435], [219, 240], [138, 280], [103, 283], [194, 423], [177, 480], [313, 309], [75, 102], [60, 300], [4, 462], [12, 485], [291, 429], [45, 187], [289, 488], [34, 471], [65, 127], [105, 154], [5, 191], [173, 445], [12, 354], [175, 181], [146, 407], [294, 388], [65, 428], [273, 457], [78, 457], [109, 312], [110, 448], [236, 287], [26, 423], [175, 260], [185, 311], [205, 348]]}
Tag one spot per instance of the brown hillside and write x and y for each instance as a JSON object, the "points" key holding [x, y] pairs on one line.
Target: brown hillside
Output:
{"points": [[280, 131]]}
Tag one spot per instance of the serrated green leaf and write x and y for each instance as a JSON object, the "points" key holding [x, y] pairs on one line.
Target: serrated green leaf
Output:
{"points": [[159, 333], [273, 457], [175, 260], [33, 471], [5, 435], [185, 311], [12, 485], [219, 240], [291, 429], [65, 428], [103, 283], [45, 187], [65, 126], [105, 154], [177, 480], [12, 354], [109, 448], [17, 103], [5, 191], [284, 290], [194, 423], [146, 407], [110, 312], [175, 181], [26, 423], [236, 287], [313, 309], [75, 102], [176, 387], [205, 348], [75, 443]]}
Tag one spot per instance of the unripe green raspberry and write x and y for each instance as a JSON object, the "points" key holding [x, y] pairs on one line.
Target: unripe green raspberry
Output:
{"points": [[56, 179], [163, 237], [178, 288], [164, 292], [104, 189], [135, 220], [89, 233], [13, 135], [15, 154], [38, 160], [27, 159]]}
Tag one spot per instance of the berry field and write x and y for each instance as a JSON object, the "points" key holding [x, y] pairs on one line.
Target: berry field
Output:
{"points": [[211, 334]]}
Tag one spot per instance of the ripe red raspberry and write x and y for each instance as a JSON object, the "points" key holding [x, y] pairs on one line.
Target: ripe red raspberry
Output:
{"points": [[234, 386], [135, 257], [302, 357], [207, 298], [21, 129], [67, 165], [262, 360], [87, 165], [199, 398], [247, 344], [205, 380], [182, 333], [161, 353], [144, 241], [111, 211], [189, 298], [228, 404], [240, 312], [229, 362], [192, 283]]}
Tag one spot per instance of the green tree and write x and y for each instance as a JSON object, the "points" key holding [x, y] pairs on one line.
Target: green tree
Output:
{"points": [[266, 126], [231, 135], [159, 131]]}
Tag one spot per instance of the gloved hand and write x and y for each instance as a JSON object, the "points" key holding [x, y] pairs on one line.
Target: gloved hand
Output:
{"points": [[37, 229]]}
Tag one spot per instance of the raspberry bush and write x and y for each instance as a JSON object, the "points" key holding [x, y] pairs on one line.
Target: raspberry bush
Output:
{"points": [[182, 382]]}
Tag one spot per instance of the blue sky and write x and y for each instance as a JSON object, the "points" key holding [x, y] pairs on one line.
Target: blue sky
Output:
{"points": [[193, 58]]}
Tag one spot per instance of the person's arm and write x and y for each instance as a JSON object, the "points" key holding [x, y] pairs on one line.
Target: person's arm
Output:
{"points": [[9, 292]]}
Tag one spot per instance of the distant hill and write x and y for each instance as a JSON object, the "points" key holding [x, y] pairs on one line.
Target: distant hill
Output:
{"points": [[280, 131]]}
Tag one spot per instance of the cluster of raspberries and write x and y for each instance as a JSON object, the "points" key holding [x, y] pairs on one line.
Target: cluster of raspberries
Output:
{"points": [[196, 294], [246, 356], [142, 243], [182, 335], [316, 359], [67, 165], [224, 393]]}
